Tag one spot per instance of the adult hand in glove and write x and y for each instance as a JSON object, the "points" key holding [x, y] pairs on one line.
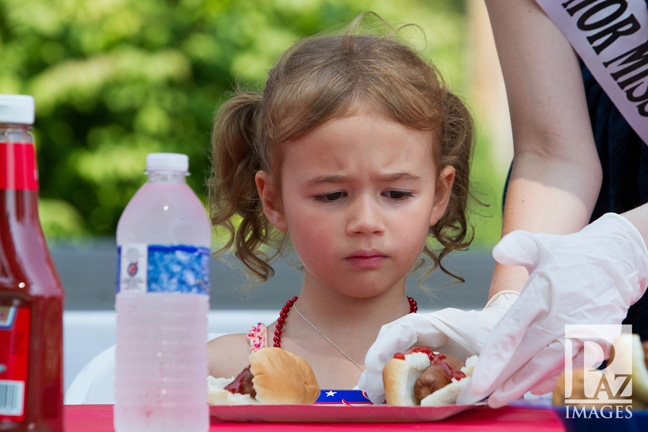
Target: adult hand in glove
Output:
{"points": [[589, 277], [453, 331]]}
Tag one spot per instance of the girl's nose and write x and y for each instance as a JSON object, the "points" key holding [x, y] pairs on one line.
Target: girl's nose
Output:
{"points": [[365, 217]]}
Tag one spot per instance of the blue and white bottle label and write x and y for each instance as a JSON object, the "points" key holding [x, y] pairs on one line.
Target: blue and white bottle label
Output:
{"points": [[145, 268]]}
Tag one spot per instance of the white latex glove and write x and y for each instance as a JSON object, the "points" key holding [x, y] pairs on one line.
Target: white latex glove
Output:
{"points": [[589, 277], [453, 331]]}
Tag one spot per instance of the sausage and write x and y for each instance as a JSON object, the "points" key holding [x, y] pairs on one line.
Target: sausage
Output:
{"points": [[441, 371], [242, 383], [431, 380]]}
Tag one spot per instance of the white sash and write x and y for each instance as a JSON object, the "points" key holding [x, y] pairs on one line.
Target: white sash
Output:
{"points": [[611, 37]]}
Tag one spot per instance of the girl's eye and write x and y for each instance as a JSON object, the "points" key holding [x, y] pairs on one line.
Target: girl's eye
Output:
{"points": [[397, 195], [330, 197]]}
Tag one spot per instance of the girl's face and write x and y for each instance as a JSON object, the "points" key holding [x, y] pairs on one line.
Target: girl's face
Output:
{"points": [[358, 195]]}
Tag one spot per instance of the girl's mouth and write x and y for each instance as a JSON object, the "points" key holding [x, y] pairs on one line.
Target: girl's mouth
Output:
{"points": [[366, 259]]}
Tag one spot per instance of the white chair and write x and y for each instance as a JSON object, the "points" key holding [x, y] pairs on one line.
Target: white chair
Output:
{"points": [[95, 383]]}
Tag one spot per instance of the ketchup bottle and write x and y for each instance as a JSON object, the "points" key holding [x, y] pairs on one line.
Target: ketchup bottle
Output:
{"points": [[31, 295]]}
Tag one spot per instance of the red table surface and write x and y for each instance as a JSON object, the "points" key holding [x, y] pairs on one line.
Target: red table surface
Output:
{"points": [[99, 418]]}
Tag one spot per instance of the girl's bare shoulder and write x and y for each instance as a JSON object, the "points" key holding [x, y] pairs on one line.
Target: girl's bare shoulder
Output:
{"points": [[228, 355]]}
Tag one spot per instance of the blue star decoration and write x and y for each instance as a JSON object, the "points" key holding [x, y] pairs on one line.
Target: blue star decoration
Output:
{"points": [[342, 397]]}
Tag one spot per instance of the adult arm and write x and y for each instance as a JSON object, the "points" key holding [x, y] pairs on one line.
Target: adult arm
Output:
{"points": [[639, 218], [588, 273], [556, 174]]}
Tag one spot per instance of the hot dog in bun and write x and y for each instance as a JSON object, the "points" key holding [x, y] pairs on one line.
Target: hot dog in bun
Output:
{"points": [[422, 377], [275, 376]]}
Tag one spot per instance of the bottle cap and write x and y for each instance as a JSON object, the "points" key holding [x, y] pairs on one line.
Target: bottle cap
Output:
{"points": [[16, 109], [167, 162]]}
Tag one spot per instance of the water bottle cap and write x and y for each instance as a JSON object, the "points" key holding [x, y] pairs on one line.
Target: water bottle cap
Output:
{"points": [[16, 109], [167, 161]]}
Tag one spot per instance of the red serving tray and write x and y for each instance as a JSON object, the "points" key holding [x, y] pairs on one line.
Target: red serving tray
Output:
{"points": [[322, 413]]}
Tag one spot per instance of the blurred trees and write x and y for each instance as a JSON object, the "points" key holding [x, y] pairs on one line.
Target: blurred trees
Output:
{"points": [[117, 79]]}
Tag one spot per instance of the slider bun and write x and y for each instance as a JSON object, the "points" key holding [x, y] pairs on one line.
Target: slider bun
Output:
{"points": [[628, 351], [639, 372], [281, 377]]}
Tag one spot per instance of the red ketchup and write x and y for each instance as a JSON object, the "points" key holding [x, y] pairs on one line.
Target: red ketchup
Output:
{"points": [[31, 295], [242, 383], [435, 359]]}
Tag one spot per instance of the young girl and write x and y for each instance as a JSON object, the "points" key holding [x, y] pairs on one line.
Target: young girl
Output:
{"points": [[358, 154]]}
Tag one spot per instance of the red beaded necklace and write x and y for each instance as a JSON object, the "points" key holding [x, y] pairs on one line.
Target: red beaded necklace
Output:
{"points": [[289, 304]]}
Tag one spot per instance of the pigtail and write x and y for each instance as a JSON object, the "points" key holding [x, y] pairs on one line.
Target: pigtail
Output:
{"points": [[457, 141], [318, 79], [232, 188]]}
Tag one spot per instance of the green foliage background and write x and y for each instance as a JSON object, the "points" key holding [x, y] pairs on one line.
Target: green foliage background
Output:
{"points": [[117, 79]]}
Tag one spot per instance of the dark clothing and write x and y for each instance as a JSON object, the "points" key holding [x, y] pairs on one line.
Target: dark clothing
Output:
{"points": [[624, 159], [623, 155]]}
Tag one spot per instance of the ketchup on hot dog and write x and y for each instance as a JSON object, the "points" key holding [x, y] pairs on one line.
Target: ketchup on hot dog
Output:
{"points": [[435, 360]]}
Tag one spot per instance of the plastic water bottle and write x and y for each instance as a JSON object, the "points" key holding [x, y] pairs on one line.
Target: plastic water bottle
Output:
{"points": [[163, 241]]}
